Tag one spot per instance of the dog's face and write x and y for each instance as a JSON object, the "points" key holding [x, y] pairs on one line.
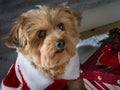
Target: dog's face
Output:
{"points": [[47, 35]]}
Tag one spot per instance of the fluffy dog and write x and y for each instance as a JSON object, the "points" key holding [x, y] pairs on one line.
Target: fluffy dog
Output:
{"points": [[45, 39]]}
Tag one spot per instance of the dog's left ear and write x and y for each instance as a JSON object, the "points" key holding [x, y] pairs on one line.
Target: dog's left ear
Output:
{"points": [[16, 39], [76, 14], [78, 17]]}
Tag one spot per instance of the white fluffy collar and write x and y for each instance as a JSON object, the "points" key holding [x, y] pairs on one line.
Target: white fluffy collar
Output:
{"points": [[37, 80]]}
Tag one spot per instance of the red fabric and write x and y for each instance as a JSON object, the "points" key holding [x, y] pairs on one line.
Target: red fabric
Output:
{"points": [[91, 71], [109, 56], [25, 86], [57, 85], [97, 75], [11, 79], [92, 75]]}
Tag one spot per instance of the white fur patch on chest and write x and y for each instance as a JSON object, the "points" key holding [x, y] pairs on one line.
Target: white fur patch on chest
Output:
{"points": [[72, 69], [36, 80]]}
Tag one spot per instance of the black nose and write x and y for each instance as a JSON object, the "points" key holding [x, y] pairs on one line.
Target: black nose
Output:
{"points": [[60, 43]]}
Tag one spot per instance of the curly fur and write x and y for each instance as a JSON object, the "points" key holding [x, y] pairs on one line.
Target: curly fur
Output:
{"points": [[41, 50]]}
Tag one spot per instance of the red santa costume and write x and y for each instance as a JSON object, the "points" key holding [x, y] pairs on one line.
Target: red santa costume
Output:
{"points": [[23, 76]]}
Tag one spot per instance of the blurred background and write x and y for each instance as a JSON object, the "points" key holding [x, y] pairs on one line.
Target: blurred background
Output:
{"points": [[95, 13]]}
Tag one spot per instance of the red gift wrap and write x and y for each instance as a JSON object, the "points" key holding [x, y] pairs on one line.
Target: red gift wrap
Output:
{"points": [[102, 77]]}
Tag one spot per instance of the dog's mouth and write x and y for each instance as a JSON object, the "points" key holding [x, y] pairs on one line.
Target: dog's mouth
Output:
{"points": [[60, 50]]}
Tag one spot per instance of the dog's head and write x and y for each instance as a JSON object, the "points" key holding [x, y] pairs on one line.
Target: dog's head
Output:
{"points": [[47, 35]]}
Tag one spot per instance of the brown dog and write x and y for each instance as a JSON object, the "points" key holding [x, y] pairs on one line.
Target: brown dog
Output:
{"points": [[45, 39]]}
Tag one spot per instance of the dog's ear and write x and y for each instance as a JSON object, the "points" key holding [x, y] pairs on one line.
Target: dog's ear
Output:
{"points": [[78, 17], [15, 38], [76, 14]]}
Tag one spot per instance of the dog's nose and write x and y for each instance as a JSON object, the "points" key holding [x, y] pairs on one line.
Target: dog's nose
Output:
{"points": [[60, 43]]}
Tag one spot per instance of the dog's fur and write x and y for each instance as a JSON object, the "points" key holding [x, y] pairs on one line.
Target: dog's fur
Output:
{"points": [[35, 34]]}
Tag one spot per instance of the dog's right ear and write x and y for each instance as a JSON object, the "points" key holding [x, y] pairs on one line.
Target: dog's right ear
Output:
{"points": [[14, 38]]}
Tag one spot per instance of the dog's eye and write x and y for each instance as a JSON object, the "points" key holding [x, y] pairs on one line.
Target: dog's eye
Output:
{"points": [[61, 26], [42, 34]]}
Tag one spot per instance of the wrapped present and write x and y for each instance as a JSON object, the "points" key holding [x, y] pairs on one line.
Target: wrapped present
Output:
{"points": [[111, 50], [102, 70]]}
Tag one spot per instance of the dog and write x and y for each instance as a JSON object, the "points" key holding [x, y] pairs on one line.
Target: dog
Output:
{"points": [[45, 39]]}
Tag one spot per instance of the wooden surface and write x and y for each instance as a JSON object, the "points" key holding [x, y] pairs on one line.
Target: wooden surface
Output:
{"points": [[99, 30]]}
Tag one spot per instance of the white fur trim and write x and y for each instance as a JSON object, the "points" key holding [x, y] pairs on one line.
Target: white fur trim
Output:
{"points": [[37, 80], [73, 68], [34, 78]]}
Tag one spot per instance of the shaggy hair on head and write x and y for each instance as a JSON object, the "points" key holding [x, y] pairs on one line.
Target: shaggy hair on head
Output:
{"points": [[35, 34]]}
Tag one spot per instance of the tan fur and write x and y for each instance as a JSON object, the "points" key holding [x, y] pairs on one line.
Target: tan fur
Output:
{"points": [[42, 51]]}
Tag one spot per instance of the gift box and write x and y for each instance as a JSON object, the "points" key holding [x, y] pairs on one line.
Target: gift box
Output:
{"points": [[102, 70]]}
